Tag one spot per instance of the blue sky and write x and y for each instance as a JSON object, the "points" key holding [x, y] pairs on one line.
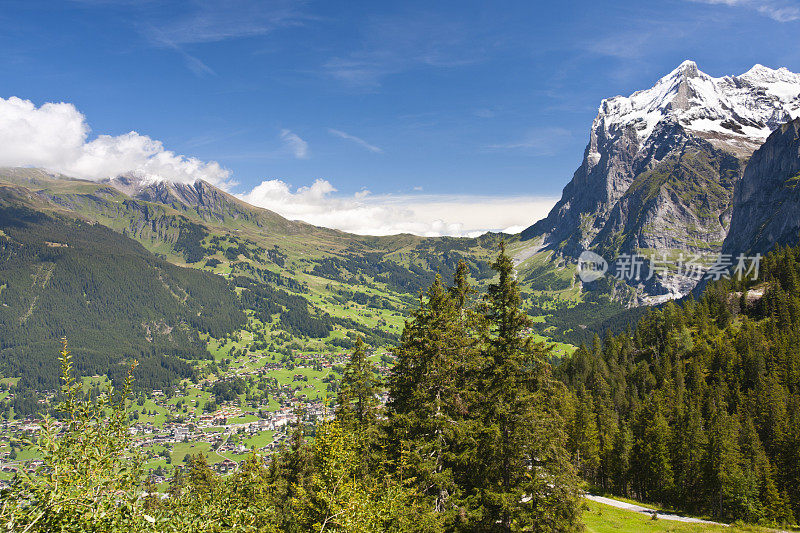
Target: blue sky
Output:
{"points": [[410, 100]]}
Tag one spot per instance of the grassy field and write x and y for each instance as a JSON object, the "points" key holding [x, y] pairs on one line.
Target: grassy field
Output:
{"points": [[259, 440], [561, 349], [181, 449], [600, 518]]}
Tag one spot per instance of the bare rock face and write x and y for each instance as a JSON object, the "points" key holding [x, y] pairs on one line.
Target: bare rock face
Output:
{"points": [[766, 208], [679, 203], [661, 165]]}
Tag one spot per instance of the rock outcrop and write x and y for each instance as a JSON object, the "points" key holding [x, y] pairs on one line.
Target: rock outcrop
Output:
{"points": [[766, 206]]}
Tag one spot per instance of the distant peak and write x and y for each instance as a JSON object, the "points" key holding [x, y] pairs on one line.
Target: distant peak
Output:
{"points": [[736, 112], [687, 69], [758, 67]]}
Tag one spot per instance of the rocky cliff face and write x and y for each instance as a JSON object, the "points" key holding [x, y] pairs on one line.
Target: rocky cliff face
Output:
{"points": [[766, 208], [660, 167], [680, 201]]}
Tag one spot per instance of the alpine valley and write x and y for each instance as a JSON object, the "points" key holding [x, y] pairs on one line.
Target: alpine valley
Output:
{"points": [[245, 325]]}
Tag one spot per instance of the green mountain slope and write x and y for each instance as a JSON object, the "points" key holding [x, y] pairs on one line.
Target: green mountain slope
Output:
{"points": [[699, 406], [61, 276], [200, 226], [320, 286]]}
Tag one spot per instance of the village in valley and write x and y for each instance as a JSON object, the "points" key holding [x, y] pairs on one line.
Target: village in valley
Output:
{"points": [[247, 400]]}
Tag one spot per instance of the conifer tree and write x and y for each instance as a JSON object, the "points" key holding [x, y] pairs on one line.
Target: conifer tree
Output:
{"points": [[724, 475], [620, 461], [523, 478], [202, 480], [651, 454], [428, 396], [358, 392], [584, 441], [689, 449]]}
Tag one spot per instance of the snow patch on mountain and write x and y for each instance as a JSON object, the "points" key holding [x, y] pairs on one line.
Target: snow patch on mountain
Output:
{"points": [[733, 112]]}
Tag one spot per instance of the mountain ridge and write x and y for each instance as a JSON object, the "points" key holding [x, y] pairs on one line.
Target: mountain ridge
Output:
{"points": [[694, 133], [200, 226], [734, 112], [210, 202]]}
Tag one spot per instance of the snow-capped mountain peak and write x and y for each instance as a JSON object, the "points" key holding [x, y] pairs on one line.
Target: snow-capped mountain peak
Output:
{"points": [[687, 68], [733, 112]]}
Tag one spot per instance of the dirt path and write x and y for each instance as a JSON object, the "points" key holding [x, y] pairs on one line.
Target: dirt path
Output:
{"points": [[647, 511]]}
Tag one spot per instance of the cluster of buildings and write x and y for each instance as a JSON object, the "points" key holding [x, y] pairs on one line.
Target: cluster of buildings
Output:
{"points": [[194, 426]]}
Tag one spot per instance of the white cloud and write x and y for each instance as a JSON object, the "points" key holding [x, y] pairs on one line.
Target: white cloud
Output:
{"points": [[725, 2], [541, 141], [396, 44], [217, 21], [781, 14], [208, 22], [55, 136], [427, 215], [297, 146], [778, 10], [192, 62], [358, 140]]}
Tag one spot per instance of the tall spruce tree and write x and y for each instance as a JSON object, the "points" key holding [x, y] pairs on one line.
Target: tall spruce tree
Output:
{"points": [[358, 393], [428, 392], [523, 479], [584, 440], [619, 463], [725, 478], [689, 448]]}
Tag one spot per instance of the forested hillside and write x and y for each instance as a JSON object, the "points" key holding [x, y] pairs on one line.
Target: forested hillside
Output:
{"points": [[62, 276], [472, 439], [699, 406]]}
